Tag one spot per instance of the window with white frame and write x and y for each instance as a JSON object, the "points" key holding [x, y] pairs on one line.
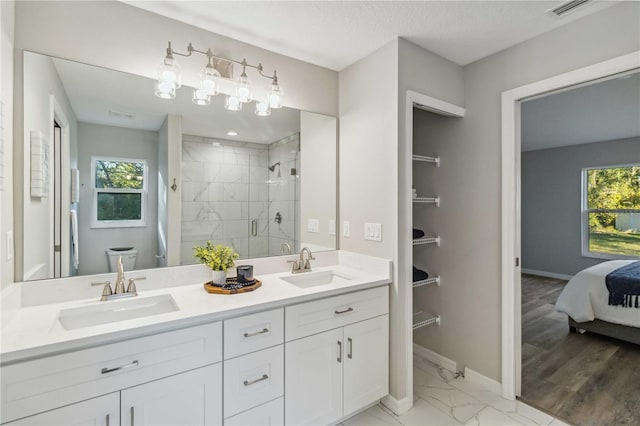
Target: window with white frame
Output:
{"points": [[119, 192], [611, 212]]}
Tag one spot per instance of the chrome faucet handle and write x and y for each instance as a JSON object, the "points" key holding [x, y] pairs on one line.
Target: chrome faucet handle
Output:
{"points": [[132, 284], [295, 267], [106, 290]]}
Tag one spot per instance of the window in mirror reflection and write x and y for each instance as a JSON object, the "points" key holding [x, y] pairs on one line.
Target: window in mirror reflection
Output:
{"points": [[119, 188]]}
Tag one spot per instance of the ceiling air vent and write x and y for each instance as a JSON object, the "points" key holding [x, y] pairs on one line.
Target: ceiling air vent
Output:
{"points": [[121, 114], [567, 7]]}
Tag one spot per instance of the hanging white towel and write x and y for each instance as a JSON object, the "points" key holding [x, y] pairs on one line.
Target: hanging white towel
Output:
{"points": [[74, 238]]}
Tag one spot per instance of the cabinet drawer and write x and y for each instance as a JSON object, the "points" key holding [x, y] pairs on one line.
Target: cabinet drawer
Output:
{"points": [[46, 383], [269, 414], [253, 379], [320, 315], [251, 333]]}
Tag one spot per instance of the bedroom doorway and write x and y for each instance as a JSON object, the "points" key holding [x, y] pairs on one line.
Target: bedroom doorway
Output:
{"points": [[510, 227], [580, 199]]}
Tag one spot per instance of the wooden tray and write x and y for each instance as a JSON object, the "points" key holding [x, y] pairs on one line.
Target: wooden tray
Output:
{"points": [[214, 289]]}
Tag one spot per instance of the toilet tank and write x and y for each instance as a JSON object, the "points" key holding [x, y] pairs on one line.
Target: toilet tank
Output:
{"points": [[129, 255]]}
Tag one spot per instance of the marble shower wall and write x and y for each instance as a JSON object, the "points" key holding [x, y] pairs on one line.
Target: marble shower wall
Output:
{"points": [[283, 193], [224, 189]]}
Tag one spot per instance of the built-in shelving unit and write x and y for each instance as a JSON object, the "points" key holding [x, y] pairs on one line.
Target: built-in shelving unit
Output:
{"points": [[423, 319], [428, 281], [428, 200], [429, 240], [426, 159]]}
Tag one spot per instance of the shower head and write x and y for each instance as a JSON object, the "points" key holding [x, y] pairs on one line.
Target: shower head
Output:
{"points": [[273, 167]]}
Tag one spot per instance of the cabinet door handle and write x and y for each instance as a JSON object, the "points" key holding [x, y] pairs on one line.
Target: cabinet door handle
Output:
{"points": [[254, 228], [133, 415], [350, 355], [255, 333], [339, 351], [253, 382], [108, 418], [344, 312], [122, 367]]}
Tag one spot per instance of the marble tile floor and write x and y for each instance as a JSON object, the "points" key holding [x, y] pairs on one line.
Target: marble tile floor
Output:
{"points": [[440, 399]]}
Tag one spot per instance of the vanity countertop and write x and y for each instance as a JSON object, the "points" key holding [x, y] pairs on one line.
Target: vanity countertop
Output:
{"points": [[36, 331]]}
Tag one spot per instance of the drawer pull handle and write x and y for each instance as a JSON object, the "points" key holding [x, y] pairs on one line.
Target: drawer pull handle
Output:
{"points": [[350, 354], [122, 367], [108, 418], [253, 382], [264, 330], [133, 416], [339, 351], [344, 312]]}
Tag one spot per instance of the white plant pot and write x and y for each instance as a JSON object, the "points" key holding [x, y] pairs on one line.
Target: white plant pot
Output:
{"points": [[219, 277]]}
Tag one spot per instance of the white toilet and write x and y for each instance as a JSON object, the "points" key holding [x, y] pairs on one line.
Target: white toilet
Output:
{"points": [[129, 255]]}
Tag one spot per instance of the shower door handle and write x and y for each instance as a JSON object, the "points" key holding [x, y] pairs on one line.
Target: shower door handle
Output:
{"points": [[254, 227]]}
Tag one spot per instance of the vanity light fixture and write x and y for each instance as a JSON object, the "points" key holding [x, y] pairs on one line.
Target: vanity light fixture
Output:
{"points": [[170, 79]]}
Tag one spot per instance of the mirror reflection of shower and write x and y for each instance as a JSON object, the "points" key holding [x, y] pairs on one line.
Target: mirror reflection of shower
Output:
{"points": [[273, 167]]}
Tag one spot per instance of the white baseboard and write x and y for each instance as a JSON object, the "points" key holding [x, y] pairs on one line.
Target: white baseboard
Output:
{"points": [[482, 380], [428, 354], [546, 274], [398, 406]]}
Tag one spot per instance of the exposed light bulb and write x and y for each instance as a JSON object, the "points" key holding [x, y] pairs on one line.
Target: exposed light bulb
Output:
{"points": [[232, 103], [201, 97], [275, 95], [262, 109], [165, 90], [209, 80], [169, 77], [243, 89]]}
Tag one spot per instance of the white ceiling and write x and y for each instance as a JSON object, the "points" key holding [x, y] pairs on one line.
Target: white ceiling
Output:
{"points": [[335, 34], [602, 111], [94, 92]]}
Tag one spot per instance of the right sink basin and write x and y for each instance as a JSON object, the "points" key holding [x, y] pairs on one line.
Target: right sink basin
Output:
{"points": [[313, 279]]}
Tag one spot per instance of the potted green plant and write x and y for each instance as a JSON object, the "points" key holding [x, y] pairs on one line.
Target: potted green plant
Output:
{"points": [[219, 258]]}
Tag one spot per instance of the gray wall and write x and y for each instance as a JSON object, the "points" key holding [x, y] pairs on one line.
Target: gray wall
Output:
{"points": [[551, 201], [595, 38], [95, 139]]}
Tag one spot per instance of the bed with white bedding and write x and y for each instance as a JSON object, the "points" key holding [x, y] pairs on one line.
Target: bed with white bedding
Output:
{"points": [[585, 299]]}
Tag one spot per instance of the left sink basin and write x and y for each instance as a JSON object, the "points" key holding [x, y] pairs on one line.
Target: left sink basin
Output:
{"points": [[117, 310]]}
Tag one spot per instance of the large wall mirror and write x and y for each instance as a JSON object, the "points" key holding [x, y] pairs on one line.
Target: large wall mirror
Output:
{"points": [[109, 170]]}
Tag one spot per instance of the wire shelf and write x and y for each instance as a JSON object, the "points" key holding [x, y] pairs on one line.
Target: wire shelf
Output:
{"points": [[428, 281], [423, 319], [428, 200], [421, 241], [426, 159]]}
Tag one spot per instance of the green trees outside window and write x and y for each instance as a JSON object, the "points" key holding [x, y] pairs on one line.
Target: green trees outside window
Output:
{"points": [[613, 210]]}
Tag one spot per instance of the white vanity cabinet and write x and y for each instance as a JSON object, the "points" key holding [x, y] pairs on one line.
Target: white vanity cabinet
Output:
{"points": [[55, 381], [334, 373], [101, 411], [193, 398]]}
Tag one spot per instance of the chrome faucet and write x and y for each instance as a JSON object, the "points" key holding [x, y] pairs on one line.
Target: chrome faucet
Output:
{"points": [[302, 264], [120, 292]]}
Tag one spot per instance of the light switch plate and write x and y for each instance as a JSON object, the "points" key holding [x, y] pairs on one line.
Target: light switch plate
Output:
{"points": [[313, 225], [373, 231], [346, 229], [332, 227]]}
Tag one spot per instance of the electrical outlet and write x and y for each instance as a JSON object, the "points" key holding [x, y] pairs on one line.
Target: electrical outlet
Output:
{"points": [[346, 229], [313, 225], [332, 227], [373, 231]]}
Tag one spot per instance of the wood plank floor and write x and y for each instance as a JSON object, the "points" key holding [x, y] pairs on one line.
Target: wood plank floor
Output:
{"points": [[583, 379]]}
